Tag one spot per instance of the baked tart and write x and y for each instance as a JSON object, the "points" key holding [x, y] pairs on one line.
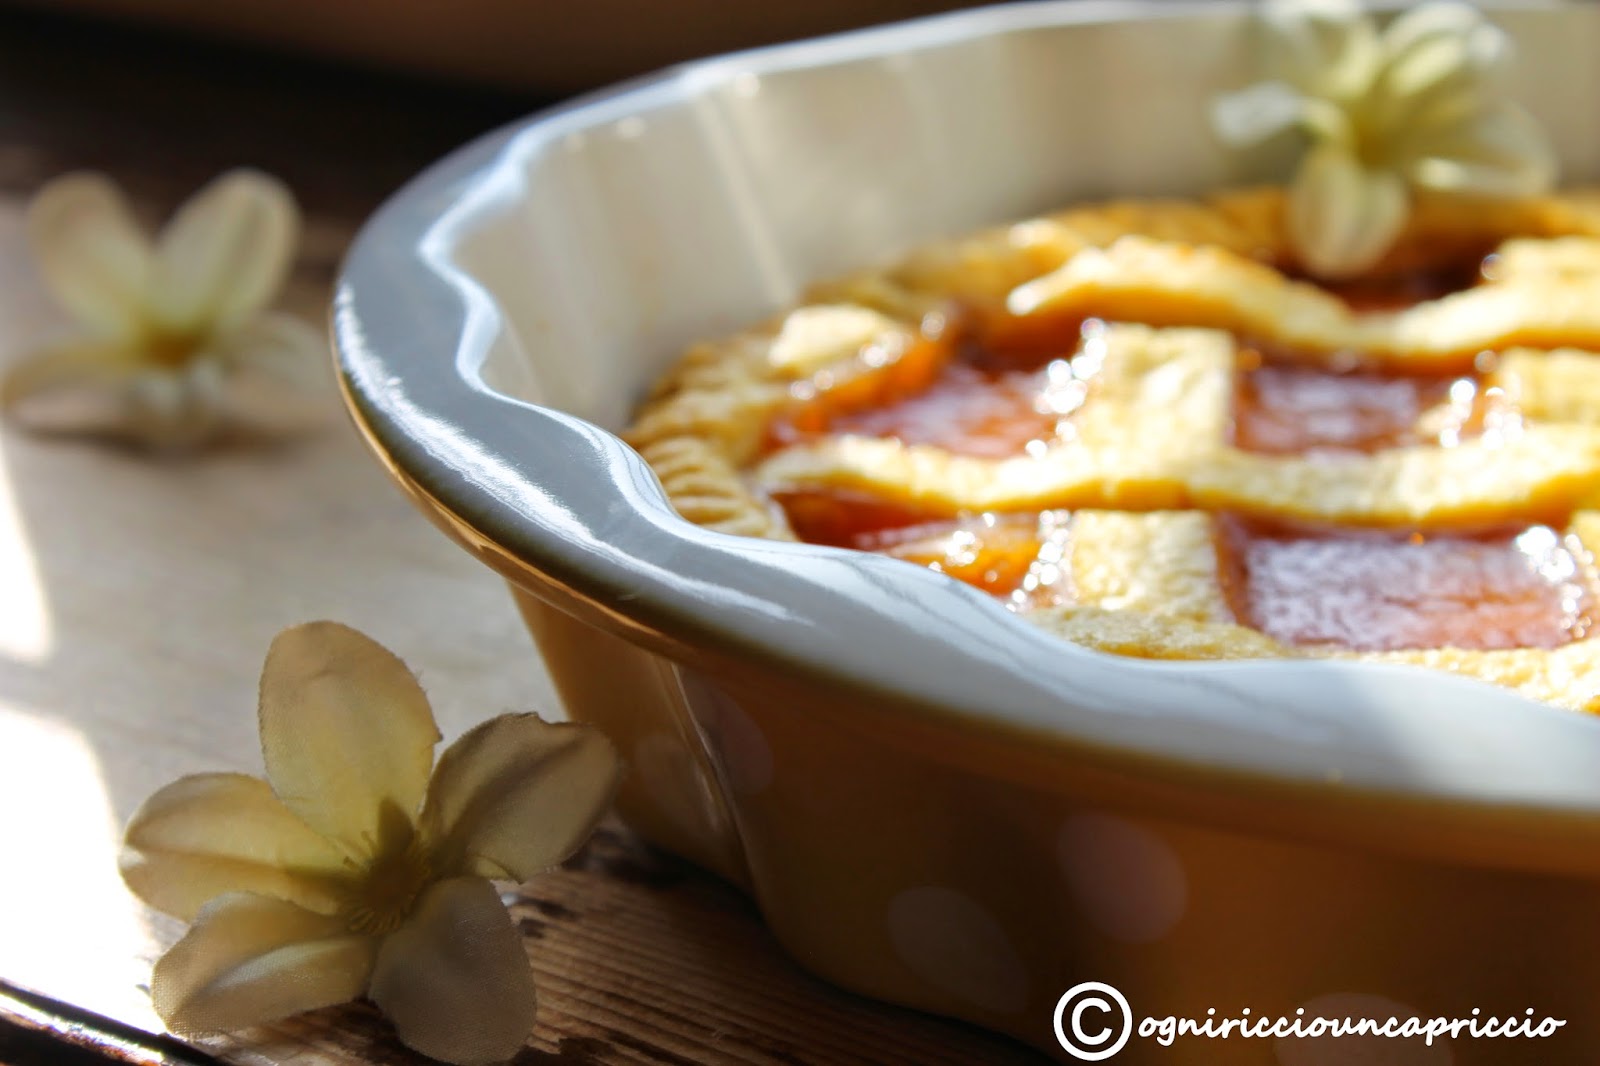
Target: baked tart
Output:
{"points": [[1141, 428], [1157, 428]]}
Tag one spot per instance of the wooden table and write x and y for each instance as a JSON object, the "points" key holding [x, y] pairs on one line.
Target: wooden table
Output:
{"points": [[138, 596]]}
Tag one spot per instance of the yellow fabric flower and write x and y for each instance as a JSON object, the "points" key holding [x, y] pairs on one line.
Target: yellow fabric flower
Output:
{"points": [[1411, 107], [179, 346], [353, 872]]}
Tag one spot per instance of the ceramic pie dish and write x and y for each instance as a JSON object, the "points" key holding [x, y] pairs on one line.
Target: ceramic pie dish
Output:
{"points": [[932, 801]]}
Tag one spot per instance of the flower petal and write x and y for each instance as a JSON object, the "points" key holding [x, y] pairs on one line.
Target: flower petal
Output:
{"points": [[276, 378], [1256, 113], [455, 978], [249, 960], [92, 253], [1342, 216], [516, 795], [278, 339], [175, 410], [105, 391], [347, 735], [224, 255], [1441, 60], [1424, 37], [1327, 48], [1504, 153], [209, 834], [73, 388]]}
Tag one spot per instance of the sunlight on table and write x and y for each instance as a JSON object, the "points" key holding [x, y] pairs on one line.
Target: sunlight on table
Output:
{"points": [[64, 905]]}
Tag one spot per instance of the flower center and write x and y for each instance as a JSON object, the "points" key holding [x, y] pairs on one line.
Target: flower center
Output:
{"points": [[386, 891], [170, 348]]}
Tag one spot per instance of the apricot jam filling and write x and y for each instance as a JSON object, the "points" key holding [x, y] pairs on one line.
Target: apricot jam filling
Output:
{"points": [[1370, 590], [1284, 408], [843, 519], [971, 384], [1396, 292], [1018, 557]]}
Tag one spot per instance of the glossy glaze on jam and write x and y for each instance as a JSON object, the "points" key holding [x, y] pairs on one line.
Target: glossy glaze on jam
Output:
{"points": [[1014, 556], [1285, 408], [843, 519], [1018, 557], [967, 412], [987, 384], [1374, 590], [967, 386], [1396, 292]]}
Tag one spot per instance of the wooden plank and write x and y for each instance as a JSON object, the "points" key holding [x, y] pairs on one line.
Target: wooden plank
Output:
{"points": [[641, 958]]}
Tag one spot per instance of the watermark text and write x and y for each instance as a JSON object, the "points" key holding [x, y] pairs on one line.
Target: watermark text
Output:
{"points": [[1093, 1022]]}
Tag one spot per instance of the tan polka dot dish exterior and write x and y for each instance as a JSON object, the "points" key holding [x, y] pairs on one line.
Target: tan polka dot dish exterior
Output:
{"points": [[1156, 768]]}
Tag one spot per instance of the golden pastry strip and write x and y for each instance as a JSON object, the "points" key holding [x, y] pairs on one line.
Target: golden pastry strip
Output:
{"points": [[986, 266], [1557, 386], [1162, 562], [1163, 284], [1557, 259], [1141, 280], [1568, 676], [1551, 313], [812, 339], [1149, 636], [1540, 473]]}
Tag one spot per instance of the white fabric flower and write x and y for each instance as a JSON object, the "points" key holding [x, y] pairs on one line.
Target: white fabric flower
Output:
{"points": [[350, 871], [1412, 107], [179, 347]]}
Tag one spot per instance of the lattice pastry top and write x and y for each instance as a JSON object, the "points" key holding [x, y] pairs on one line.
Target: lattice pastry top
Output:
{"points": [[1133, 423]]}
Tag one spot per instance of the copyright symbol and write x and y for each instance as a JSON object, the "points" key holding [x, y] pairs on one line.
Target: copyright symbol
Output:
{"points": [[1087, 1020]]}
